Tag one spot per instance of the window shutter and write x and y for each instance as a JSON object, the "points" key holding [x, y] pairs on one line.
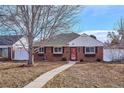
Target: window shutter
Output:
{"points": [[44, 49], [83, 49], [96, 49], [63, 49], [51, 49]]}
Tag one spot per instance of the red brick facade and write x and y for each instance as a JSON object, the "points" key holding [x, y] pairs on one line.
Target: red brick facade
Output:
{"points": [[81, 54], [48, 55]]}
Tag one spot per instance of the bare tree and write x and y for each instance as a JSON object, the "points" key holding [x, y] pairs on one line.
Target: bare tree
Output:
{"points": [[115, 36], [37, 22], [115, 40], [120, 26]]}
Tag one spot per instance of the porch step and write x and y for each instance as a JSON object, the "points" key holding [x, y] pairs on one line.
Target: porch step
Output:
{"points": [[73, 61]]}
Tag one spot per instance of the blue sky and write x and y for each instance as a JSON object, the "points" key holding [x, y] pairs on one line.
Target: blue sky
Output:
{"points": [[99, 19]]}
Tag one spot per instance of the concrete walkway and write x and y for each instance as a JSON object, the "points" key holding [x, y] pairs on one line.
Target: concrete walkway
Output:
{"points": [[44, 78]]}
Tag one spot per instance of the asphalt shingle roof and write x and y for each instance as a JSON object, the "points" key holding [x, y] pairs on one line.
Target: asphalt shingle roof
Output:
{"points": [[9, 40], [85, 40], [60, 39]]}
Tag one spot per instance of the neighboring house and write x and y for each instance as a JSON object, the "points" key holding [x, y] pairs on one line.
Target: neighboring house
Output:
{"points": [[70, 46], [12, 49], [114, 52]]}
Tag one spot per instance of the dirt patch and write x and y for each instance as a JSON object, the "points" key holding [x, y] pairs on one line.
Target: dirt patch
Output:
{"points": [[98, 75]]}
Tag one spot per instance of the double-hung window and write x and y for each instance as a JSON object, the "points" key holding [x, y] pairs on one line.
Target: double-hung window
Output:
{"points": [[89, 50], [4, 52], [57, 50], [41, 50]]}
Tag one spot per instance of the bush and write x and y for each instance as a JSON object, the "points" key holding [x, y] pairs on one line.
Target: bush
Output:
{"points": [[81, 60], [98, 59], [64, 59], [4, 59]]}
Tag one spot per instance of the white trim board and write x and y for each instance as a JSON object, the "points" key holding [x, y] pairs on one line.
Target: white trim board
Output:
{"points": [[5, 46]]}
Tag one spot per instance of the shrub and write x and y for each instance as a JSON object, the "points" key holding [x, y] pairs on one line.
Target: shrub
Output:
{"points": [[4, 59], [81, 60], [64, 59], [98, 59]]}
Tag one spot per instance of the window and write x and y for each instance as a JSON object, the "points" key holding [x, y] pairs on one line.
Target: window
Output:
{"points": [[57, 50], [4, 52], [89, 50], [41, 50]]}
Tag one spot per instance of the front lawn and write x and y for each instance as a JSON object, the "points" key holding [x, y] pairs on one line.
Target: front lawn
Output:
{"points": [[90, 75], [13, 75]]}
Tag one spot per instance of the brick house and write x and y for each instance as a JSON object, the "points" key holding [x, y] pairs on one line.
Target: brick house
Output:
{"points": [[70, 46]]}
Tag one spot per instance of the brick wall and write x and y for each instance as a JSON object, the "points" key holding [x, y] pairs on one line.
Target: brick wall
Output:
{"points": [[56, 57], [80, 53], [66, 53], [48, 55], [92, 58]]}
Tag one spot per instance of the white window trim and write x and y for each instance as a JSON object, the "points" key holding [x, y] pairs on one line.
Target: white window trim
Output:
{"points": [[41, 52], [57, 52], [90, 52]]}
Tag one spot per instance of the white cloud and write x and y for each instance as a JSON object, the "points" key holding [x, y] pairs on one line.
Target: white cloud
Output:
{"points": [[100, 34]]}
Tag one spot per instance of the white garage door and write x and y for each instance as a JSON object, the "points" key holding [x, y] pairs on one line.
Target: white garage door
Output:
{"points": [[20, 54], [113, 54]]}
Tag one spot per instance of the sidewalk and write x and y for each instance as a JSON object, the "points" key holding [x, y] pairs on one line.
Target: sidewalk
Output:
{"points": [[43, 79]]}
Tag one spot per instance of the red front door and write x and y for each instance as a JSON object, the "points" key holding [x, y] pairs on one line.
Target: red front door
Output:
{"points": [[73, 54]]}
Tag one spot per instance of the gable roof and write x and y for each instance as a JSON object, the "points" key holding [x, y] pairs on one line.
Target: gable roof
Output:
{"points": [[85, 40], [60, 39], [9, 40]]}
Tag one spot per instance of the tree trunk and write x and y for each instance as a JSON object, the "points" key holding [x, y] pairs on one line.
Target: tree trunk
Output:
{"points": [[31, 57], [30, 50]]}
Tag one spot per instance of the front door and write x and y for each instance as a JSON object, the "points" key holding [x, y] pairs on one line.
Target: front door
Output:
{"points": [[73, 54]]}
